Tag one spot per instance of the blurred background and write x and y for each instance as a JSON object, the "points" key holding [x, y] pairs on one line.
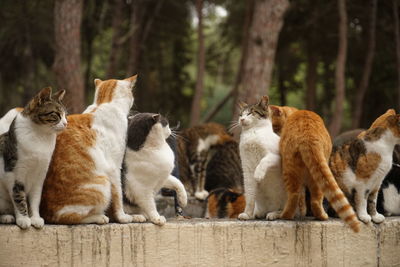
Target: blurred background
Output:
{"points": [[196, 58]]}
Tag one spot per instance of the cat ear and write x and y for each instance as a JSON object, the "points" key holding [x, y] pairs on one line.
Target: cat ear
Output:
{"points": [[97, 82], [276, 111], [264, 102], [132, 79], [391, 112], [59, 95], [156, 117], [44, 95]]}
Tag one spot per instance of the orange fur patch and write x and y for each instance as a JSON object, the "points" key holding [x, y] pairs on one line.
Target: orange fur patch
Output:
{"points": [[105, 91], [212, 206], [367, 165], [19, 109]]}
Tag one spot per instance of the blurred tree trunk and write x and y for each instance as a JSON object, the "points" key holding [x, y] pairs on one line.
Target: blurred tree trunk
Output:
{"points": [[198, 94], [266, 24], [311, 79], [116, 43], [67, 62], [336, 123], [362, 88], [397, 42]]}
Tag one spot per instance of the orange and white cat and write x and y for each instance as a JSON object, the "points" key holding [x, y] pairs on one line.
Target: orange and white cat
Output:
{"points": [[84, 178], [305, 147], [361, 164]]}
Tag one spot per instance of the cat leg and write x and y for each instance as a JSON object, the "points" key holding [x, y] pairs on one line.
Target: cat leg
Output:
{"points": [[6, 207], [371, 206], [19, 200], [144, 198], [97, 219], [303, 203], [316, 199], [250, 193], [360, 202], [268, 162], [293, 184], [34, 202], [117, 207], [200, 171], [174, 184]]}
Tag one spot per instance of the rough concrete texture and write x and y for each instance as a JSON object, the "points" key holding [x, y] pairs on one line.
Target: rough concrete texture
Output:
{"points": [[203, 243]]}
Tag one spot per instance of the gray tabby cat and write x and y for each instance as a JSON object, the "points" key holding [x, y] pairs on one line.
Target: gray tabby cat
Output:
{"points": [[25, 154]]}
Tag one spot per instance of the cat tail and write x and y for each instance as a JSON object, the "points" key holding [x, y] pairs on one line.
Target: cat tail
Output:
{"points": [[318, 167]]}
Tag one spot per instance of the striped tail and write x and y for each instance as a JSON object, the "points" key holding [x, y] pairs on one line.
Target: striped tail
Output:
{"points": [[321, 174]]}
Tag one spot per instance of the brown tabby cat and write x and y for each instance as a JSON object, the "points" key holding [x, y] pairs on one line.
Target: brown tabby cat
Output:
{"points": [[361, 164], [204, 146], [305, 147], [84, 177]]}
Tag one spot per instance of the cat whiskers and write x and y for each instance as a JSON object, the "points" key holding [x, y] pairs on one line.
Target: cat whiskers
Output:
{"points": [[233, 126]]}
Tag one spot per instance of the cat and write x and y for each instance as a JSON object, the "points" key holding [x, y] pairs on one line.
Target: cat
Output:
{"points": [[149, 161], [84, 178], [259, 151], [279, 116], [25, 153], [225, 203], [361, 164], [305, 147], [8, 118], [207, 145], [388, 201]]}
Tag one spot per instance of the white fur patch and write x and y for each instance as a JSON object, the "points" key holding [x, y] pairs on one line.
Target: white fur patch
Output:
{"points": [[392, 200], [205, 144]]}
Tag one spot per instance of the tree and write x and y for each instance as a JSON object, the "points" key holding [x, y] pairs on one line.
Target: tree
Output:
{"points": [[266, 24], [198, 93], [67, 62], [362, 88], [336, 123]]}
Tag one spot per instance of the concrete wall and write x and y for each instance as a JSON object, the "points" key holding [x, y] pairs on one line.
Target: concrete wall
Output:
{"points": [[203, 243]]}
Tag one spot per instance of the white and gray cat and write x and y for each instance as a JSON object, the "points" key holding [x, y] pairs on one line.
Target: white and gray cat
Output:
{"points": [[148, 164], [25, 153], [259, 153]]}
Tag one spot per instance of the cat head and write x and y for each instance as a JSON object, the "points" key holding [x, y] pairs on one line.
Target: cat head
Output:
{"points": [[114, 90], [387, 121], [251, 115], [279, 115], [146, 126], [47, 110]]}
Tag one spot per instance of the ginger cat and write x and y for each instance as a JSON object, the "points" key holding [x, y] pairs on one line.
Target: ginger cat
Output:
{"points": [[84, 177], [305, 147], [361, 164], [279, 116]]}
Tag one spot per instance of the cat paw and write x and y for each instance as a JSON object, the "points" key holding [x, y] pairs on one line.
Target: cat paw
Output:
{"points": [[201, 195], [365, 218], [37, 222], [101, 219], [23, 222], [138, 218], [378, 218], [160, 220], [244, 216], [7, 219], [124, 218], [259, 175], [272, 216]]}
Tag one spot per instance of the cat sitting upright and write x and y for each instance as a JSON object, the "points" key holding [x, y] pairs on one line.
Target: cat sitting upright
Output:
{"points": [[361, 164], [25, 154], [84, 178], [148, 164], [259, 152]]}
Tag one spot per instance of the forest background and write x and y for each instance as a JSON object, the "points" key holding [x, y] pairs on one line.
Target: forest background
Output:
{"points": [[196, 58]]}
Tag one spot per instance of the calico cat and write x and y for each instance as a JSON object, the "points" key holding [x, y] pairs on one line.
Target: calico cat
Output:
{"points": [[305, 147], [8, 118], [361, 164], [225, 203], [197, 147], [25, 153], [259, 152], [149, 161], [84, 178]]}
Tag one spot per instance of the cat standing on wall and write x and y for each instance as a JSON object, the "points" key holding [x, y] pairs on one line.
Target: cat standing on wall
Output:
{"points": [[25, 153], [259, 151], [361, 164], [149, 161], [84, 178]]}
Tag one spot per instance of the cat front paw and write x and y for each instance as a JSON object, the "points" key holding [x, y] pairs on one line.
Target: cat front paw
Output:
{"points": [[202, 195], [160, 220], [273, 215], [244, 216], [378, 218], [8, 218], [23, 222], [138, 218], [124, 218], [365, 218], [101, 219], [37, 222], [259, 175]]}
